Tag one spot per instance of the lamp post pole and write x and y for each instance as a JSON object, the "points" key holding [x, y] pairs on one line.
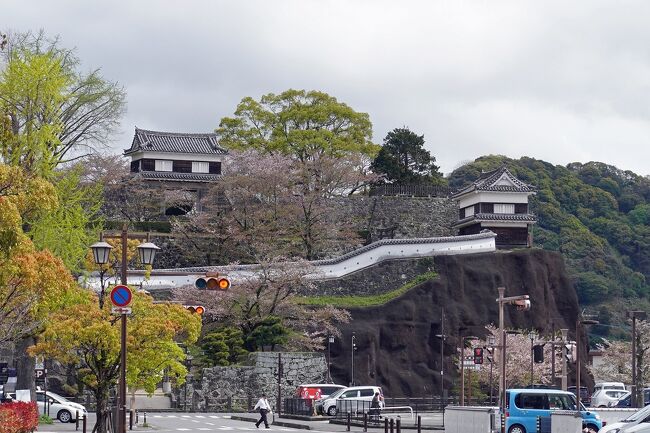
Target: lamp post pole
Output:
{"points": [[637, 400], [532, 337], [442, 355], [565, 333], [491, 344], [330, 340], [147, 252], [578, 364], [354, 345], [462, 367], [523, 303]]}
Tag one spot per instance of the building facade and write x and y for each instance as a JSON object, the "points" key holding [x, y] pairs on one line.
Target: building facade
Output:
{"points": [[498, 202], [183, 164]]}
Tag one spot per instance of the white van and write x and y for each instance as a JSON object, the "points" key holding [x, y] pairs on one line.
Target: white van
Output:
{"points": [[363, 394], [608, 385]]}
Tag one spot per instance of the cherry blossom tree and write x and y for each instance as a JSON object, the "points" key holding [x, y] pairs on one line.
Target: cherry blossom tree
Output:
{"points": [[271, 291]]}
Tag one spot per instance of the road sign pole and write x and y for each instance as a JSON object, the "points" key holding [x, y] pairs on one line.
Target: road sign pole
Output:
{"points": [[122, 399]]}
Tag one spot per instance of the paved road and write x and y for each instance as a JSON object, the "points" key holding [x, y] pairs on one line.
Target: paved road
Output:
{"points": [[182, 422]]}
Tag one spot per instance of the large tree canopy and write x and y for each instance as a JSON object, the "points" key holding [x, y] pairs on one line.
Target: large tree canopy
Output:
{"points": [[404, 159], [42, 89], [304, 124]]}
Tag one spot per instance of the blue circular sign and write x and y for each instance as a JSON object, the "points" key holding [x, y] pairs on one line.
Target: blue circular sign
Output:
{"points": [[121, 296]]}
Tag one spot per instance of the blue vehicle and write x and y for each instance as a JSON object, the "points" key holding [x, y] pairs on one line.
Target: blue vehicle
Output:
{"points": [[523, 406]]}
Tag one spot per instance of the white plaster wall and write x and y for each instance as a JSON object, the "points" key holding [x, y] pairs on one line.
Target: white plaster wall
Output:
{"points": [[493, 197], [334, 268]]}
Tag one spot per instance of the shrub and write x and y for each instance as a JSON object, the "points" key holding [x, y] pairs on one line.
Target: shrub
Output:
{"points": [[18, 417]]}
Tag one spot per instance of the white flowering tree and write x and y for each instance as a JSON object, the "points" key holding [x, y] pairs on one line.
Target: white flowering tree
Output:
{"points": [[616, 363], [518, 353]]}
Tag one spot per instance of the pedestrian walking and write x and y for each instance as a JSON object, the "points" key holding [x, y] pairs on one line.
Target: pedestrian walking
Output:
{"points": [[375, 406], [265, 408]]}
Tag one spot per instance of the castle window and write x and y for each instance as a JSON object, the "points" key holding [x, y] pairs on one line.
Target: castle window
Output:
{"points": [[164, 165], [469, 211], [507, 208], [200, 167]]}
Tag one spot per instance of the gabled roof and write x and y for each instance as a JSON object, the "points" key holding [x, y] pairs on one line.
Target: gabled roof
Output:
{"points": [[180, 177], [174, 142], [497, 180], [486, 217]]}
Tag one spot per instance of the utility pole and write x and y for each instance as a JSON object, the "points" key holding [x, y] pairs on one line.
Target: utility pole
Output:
{"points": [[564, 332], [280, 368], [354, 346], [442, 355]]}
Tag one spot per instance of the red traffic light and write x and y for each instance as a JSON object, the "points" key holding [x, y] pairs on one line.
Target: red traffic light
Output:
{"points": [[478, 355]]}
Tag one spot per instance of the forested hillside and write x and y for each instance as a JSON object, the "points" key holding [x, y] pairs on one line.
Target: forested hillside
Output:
{"points": [[596, 215]]}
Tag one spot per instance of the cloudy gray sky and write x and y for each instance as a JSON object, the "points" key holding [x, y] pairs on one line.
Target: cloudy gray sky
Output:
{"points": [[555, 80]]}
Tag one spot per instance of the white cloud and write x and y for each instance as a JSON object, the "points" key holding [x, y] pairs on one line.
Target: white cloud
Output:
{"points": [[559, 81]]}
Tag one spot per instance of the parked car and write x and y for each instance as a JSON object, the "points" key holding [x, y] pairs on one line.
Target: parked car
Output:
{"points": [[585, 397], [524, 406], [317, 391], [607, 397], [638, 418], [626, 401], [609, 385], [356, 393], [60, 407]]}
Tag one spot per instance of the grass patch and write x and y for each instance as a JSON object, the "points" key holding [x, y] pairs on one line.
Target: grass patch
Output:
{"points": [[367, 301]]}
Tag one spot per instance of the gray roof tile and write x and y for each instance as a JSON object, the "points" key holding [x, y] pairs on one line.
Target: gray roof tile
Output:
{"points": [[175, 142]]}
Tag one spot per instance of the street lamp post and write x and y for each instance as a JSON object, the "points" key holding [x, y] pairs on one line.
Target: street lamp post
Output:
{"points": [[578, 323], [330, 341], [565, 333], [491, 341], [641, 315], [354, 347], [101, 251], [532, 335], [523, 303]]}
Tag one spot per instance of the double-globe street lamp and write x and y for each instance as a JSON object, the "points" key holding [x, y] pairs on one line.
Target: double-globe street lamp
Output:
{"points": [[101, 251]]}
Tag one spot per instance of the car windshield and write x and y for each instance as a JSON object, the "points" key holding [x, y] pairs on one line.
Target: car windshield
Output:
{"points": [[336, 393], [58, 397], [642, 414]]}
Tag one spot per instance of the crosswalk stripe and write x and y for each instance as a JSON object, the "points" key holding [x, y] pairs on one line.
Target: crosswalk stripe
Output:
{"points": [[214, 416], [182, 429]]}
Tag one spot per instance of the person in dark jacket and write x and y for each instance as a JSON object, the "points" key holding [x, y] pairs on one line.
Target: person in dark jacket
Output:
{"points": [[375, 406]]}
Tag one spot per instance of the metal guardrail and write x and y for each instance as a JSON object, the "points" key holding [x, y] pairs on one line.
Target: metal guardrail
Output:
{"points": [[298, 406]]}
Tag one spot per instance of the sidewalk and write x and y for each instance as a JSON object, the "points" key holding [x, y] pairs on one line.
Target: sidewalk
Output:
{"points": [[430, 422]]}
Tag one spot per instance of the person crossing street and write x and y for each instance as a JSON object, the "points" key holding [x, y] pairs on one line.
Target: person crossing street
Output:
{"points": [[265, 408]]}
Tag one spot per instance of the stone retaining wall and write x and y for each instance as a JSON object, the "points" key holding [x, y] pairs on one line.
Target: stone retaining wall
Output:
{"points": [[219, 387]]}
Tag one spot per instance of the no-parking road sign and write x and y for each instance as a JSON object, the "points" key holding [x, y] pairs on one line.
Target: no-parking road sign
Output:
{"points": [[121, 296]]}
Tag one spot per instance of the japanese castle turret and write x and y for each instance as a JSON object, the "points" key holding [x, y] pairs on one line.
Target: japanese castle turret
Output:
{"points": [[177, 162], [498, 202]]}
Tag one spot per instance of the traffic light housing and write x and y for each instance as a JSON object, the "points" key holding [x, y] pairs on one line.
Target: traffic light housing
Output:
{"points": [[538, 353], [195, 309], [212, 281], [478, 355]]}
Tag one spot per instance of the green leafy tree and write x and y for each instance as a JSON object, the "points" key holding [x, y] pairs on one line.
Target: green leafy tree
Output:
{"points": [[32, 89], [269, 332], [223, 346], [43, 91], [404, 159], [304, 124], [68, 230], [87, 336]]}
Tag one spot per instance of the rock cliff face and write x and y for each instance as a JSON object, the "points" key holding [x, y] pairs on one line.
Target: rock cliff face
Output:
{"points": [[397, 344]]}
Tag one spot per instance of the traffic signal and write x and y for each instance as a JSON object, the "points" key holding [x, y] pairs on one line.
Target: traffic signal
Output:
{"points": [[196, 309], [212, 281], [478, 355], [538, 353]]}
